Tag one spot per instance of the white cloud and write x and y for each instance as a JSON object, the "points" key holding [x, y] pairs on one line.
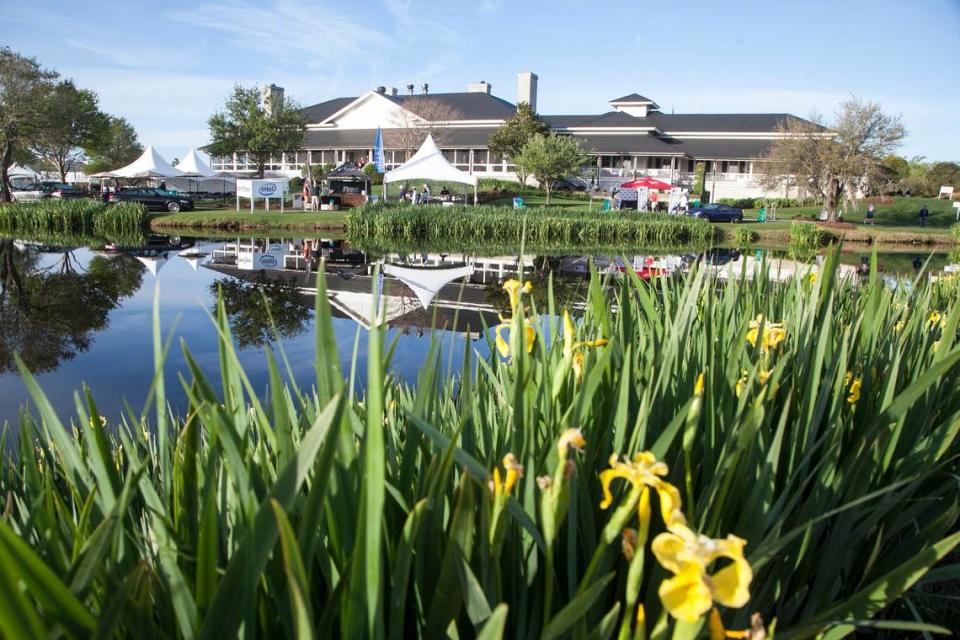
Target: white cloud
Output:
{"points": [[134, 56], [289, 30]]}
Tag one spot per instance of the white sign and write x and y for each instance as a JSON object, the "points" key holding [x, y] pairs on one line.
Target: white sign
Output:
{"points": [[262, 188], [272, 258]]}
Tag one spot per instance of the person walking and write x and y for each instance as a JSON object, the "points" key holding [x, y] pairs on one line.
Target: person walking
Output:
{"points": [[871, 212], [924, 213]]}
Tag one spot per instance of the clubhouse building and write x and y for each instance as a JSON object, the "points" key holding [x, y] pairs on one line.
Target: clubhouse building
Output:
{"points": [[634, 138]]}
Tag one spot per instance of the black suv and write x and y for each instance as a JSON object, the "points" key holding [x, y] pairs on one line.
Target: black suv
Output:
{"points": [[153, 199]]}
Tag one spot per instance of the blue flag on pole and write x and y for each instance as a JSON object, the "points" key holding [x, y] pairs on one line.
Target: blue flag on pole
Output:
{"points": [[378, 152]]}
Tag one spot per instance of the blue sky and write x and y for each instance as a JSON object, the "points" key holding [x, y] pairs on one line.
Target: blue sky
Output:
{"points": [[166, 66]]}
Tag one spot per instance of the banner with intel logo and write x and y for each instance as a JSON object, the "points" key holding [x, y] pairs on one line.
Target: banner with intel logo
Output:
{"points": [[262, 187]]}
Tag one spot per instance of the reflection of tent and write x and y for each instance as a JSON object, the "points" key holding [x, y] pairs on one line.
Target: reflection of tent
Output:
{"points": [[429, 164], [193, 258], [648, 182], [149, 165], [425, 283], [153, 263]]}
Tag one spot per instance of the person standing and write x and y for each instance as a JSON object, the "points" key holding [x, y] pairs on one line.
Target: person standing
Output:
{"points": [[871, 211], [425, 198], [403, 192], [414, 196], [924, 213]]}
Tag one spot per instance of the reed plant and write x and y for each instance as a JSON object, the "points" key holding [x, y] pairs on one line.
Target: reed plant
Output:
{"points": [[540, 226], [75, 216], [687, 456]]}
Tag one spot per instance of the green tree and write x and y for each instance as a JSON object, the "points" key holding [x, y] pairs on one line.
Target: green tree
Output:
{"points": [[375, 176], [260, 306], [894, 170], [833, 162], [72, 120], [943, 174], [24, 86], [550, 157], [509, 139], [117, 147], [249, 125]]}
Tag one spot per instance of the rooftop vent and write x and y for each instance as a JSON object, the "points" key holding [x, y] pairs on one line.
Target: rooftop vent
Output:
{"points": [[381, 90], [426, 88], [410, 88], [392, 91]]}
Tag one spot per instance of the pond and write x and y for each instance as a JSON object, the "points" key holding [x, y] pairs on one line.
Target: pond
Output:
{"points": [[84, 316]]}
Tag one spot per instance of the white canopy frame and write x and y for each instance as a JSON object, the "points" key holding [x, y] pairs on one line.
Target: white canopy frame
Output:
{"points": [[429, 164]]}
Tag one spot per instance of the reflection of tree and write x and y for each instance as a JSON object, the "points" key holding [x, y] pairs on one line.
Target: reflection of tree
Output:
{"points": [[256, 307], [568, 291], [48, 315]]}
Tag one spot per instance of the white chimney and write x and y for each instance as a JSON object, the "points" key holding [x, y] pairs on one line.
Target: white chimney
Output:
{"points": [[527, 89], [272, 98], [479, 87]]}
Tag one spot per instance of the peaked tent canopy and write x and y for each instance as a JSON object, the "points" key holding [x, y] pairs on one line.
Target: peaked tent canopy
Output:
{"points": [[429, 164], [194, 166], [149, 165], [22, 171]]}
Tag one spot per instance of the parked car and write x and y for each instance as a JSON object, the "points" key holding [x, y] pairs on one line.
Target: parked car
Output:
{"points": [[714, 212], [568, 185], [154, 199], [43, 190]]}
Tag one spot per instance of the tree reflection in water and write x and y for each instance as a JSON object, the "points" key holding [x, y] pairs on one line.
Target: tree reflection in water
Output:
{"points": [[260, 305], [48, 314]]}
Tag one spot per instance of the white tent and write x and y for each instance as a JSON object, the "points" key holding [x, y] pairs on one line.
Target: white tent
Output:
{"points": [[149, 165], [17, 171], [426, 282], [429, 164], [194, 165], [198, 176]]}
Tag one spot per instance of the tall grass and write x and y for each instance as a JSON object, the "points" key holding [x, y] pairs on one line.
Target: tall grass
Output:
{"points": [[78, 216], [503, 224], [828, 443]]}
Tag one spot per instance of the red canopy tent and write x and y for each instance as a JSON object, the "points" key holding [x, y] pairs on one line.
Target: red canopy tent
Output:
{"points": [[648, 182]]}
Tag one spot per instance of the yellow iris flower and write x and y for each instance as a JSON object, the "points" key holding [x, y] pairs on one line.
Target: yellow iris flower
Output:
{"points": [[644, 470], [571, 438], [899, 326], [719, 632], [503, 340], [514, 289], [514, 471], [692, 590], [773, 333], [854, 396], [934, 318], [572, 350]]}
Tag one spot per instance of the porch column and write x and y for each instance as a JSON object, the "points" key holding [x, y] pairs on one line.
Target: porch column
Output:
{"points": [[673, 167]]}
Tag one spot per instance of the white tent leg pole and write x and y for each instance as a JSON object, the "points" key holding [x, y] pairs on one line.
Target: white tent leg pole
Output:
{"points": [[238, 200]]}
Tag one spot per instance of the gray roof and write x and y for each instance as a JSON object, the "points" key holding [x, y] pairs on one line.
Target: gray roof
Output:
{"points": [[725, 122], [452, 138], [320, 112], [667, 122], [725, 149], [643, 144], [469, 106], [634, 97]]}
